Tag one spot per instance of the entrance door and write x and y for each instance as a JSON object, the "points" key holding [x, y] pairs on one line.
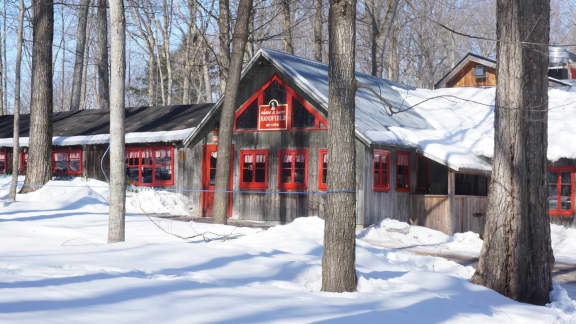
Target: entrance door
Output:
{"points": [[209, 158]]}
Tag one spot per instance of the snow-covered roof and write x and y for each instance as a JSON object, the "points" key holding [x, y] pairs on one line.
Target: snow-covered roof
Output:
{"points": [[143, 125], [131, 138]]}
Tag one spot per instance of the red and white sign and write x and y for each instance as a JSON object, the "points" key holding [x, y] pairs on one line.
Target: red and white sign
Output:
{"points": [[273, 116]]}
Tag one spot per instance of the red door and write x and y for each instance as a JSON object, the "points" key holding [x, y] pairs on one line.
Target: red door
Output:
{"points": [[209, 158]]}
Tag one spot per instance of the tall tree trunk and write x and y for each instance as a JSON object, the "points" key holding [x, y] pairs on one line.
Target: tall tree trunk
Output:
{"points": [[79, 55], [516, 258], [39, 168], [4, 53], [16, 133], [287, 26], [318, 17], [338, 259], [102, 57], [151, 84], [3, 106], [224, 41], [374, 33], [206, 74], [116, 222], [63, 73], [393, 60], [227, 115]]}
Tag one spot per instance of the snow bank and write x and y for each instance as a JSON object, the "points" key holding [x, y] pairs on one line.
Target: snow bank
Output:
{"points": [[55, 266]]}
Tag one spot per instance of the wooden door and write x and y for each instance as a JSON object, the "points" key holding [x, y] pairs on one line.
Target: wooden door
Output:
{"points": [[209, 158]]}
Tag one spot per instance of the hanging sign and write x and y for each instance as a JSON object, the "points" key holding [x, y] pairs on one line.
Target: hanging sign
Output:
{"points": [[273, 116]]}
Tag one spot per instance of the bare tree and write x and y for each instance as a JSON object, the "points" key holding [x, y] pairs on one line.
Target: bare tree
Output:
{"points": [[338, 259], [224, 41], [516, 258], [79, 55], [116, 223], [102, 57], [286, 26], [39, 168], [16, 130], [227, 114], [318, 18]]}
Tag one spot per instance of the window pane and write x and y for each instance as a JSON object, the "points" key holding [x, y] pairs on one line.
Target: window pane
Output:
{"points": [[146, 175], [212, 177], [301, 117], [213, 159], [2, 166], [275, 91], [260, 175], [75, 166], [299, 176], [260, 161], [247, 175], [565, 203], [75, 155], [163, 156], [132, 174], [377, 178], [163, 173], [249, 118], [248, 159], [287, 161], [300, 161], [566, 178], [566, 190], [146, 158], [286, 175], [324, 176]]}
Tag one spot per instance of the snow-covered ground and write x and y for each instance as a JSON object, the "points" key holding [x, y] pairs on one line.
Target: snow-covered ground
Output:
{"points": [[55, 267]]}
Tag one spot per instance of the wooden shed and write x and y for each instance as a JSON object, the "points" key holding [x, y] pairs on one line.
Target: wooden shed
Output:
{"points": [[154, 138], [279, 154]]}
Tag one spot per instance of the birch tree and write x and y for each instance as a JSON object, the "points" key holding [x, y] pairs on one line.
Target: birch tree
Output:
{"points": [[516, 258], [116, 223], [239, 41], [39, 170], [338, 258], [16, 129]]}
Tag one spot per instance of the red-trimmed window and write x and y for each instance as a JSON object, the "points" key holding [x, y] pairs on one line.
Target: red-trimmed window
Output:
{"points": [[422, 174], [23, 161], [299, 114], [3, 162], [67, 162], [561, 190], [150, 166], [293, 173], [323, 169], [254, 169], [403, 171], [381, 170]]}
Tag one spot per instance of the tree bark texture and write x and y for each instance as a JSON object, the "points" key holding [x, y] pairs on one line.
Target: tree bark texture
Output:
{"points": [[239, 41], [79, 55], [102, 57], [516, 258], [224, 41], [318, 17], [39, 168], [116, 224], [339, 257], [287, 26], [16, 133]]}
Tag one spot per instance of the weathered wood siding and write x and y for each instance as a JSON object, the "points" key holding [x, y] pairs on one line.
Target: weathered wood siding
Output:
{"points": [[91, 158], [432, 211], [390, 204], [466, 78], [471, 213]]}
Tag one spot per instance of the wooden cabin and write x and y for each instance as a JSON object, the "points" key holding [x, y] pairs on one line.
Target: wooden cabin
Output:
{"points": [[154, 138], [279, 161], [478, 71]]}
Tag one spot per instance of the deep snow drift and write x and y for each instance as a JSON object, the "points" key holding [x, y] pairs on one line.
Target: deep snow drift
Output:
{"points": [[55, 267]]}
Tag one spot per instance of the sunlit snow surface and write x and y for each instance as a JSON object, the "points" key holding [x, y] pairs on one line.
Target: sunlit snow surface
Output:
{"points": [[55, 267]]}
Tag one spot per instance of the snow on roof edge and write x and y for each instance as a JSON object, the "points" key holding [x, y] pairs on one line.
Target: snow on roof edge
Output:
{"points": [[131, 138]]}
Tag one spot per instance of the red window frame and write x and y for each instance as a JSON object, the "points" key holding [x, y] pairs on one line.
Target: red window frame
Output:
{"points": [[146, 157], [381, 167], [422, 185], [69, 156], [402, 156], [292, 185], [322, 170], [320, 122], [23, 161], [559, 170], [4, 158], [251, 183]]}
